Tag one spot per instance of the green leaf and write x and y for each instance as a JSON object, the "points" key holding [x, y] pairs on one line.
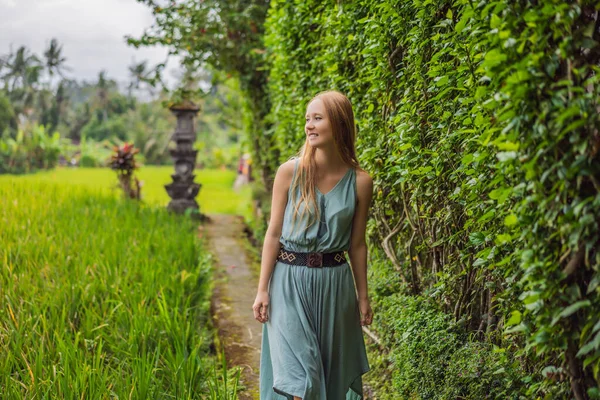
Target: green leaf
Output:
{"points": [[516, 328], [529, 296], [591, 345], [493, 57], [502, 239], [467, 159], [479, 261], [572, 126], [487, 216], [568, 113], [500, 194], [495, 21], [441, 81], [596, 327], [586, 362], [504, 261], [460, 25], [477, 238], [507, 146], [480, 119], [573, 308], [515, 318], [511, 220]]}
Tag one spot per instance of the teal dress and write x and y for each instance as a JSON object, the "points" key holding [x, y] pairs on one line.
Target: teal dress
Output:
{"points": [[312, 344]]}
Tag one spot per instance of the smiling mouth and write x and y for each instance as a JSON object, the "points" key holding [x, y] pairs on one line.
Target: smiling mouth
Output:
{"points": [[311, 135]]}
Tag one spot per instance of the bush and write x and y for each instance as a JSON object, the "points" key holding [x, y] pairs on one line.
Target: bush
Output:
{"points": [[99, 130], [432, 358], [32, 149]]}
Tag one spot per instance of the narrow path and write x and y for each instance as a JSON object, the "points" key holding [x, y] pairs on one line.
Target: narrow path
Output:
{"points": [[235, 289]]}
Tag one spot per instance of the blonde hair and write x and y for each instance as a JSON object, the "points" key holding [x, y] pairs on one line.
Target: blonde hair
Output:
{"points": [[341, 117]]}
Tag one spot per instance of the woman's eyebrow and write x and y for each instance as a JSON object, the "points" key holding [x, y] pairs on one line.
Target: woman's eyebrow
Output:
{"points": [[316, 113]]}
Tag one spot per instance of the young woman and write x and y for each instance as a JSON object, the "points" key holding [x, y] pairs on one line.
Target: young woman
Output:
{"points": [[311, 301]]}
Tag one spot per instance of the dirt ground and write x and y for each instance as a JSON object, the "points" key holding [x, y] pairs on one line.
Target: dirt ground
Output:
{"points": [[235, 288]]}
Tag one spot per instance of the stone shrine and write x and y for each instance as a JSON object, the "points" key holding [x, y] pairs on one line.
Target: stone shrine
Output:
{"points": [[183, 190]]}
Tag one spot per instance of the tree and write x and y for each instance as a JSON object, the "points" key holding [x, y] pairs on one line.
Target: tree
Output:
{"points": [[55, 62], [102, 88], [6, 114], [227, 36], [22, 66]]}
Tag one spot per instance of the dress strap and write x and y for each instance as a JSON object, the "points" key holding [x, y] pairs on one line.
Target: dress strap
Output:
{"points": [[354, 186], [297, 160]]}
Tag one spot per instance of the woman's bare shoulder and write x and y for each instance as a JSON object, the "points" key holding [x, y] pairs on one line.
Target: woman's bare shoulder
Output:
{"points": [[364, 182], [287, 168], [363, 176], [285, 173]]}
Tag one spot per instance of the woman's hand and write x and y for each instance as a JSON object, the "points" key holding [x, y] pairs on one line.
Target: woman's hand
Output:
{"points": [[366, 313], [261, 307]]}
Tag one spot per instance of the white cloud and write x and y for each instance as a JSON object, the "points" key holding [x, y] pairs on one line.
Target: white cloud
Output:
{"points": [[8, 3], [91, 31]]}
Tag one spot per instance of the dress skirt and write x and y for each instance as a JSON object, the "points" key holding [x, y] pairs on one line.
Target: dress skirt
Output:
{"points": [[312, 345]]}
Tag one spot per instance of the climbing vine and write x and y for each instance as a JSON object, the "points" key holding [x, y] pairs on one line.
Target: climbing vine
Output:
{"points": [[479, 125]]}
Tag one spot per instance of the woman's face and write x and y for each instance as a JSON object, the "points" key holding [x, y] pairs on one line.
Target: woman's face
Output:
{"points": [[317, 126]]}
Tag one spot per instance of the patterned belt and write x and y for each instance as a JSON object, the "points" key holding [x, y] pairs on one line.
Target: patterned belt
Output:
{"points": [[312, 260]]}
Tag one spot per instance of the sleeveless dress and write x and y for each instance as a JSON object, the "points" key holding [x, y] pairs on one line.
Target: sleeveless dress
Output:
{"points": [[312, 344]]}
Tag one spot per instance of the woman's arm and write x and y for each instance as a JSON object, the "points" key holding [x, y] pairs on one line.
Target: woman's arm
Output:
{"points": [[271, 245], [358, 244]]}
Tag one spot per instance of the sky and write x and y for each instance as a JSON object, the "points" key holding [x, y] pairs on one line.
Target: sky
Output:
{"points": [[90, 31]]}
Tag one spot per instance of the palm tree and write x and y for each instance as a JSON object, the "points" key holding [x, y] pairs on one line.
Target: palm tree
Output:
{"points": [[22, 77], [102, 89], [19, 66], [55, 62]]}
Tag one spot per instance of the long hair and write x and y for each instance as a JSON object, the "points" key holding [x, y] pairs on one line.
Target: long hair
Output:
{"points": [[341, 117]]}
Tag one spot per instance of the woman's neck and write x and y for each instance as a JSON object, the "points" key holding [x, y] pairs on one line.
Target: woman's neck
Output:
{"points": [[329, 159]]}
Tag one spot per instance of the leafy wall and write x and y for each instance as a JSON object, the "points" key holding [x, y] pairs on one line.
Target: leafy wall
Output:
{"points": [[479, 124]]}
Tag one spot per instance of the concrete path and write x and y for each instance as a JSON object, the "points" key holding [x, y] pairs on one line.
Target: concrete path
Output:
{"points": [[235, 290]]}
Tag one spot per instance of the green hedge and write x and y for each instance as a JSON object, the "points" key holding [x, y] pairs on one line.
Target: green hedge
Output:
{"points": [[478, 122], [432, 358]]}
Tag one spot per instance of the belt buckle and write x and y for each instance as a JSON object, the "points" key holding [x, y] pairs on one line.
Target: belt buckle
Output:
{"points": [[315, 260]]}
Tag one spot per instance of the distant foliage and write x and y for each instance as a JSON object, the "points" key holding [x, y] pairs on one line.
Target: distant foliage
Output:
{"points": [[479, 123], [32, 149], [7, 114]]}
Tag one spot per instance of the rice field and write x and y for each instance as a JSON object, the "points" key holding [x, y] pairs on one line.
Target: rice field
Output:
{"points": [[216, 195], [102, 298]]}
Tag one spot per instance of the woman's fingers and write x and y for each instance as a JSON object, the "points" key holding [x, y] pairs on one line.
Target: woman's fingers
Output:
{"points": [[369, 318], [366, 317], [261, 312], [256, 311]]}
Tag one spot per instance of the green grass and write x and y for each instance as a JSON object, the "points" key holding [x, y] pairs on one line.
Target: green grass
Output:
{"points": [[216, 194], [100, 298]]}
